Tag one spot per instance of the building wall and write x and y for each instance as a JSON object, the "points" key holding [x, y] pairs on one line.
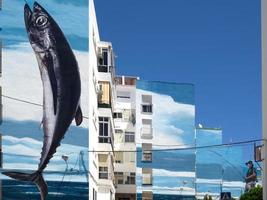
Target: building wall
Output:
{"points": [[93, 159], [209, 171], [125, 131], [218, 169], [22, 105], [173, 125], [101, 90]]}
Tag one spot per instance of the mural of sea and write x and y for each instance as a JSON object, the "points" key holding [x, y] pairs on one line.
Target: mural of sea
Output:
{"points": [[22, 126]]}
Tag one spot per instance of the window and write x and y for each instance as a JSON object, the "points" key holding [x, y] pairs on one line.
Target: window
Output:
{"points": [[103, 60], [104, 130], [146, 130], [103, 172], [119, 178], [104, 95], [117, 115], [147, 104], [147, 108], [119, 131], [118, 157], [130, 178], [147, 195], [129, 157], [146, 152], [147, 176], [123, 95], [129, 137]]}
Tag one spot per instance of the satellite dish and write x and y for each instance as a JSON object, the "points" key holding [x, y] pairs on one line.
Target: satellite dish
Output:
{"points": [[200, 126]]}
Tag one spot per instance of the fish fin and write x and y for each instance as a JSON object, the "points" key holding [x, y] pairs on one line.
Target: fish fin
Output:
{"points": [[53, 80], [78, 116], [36, 177]]}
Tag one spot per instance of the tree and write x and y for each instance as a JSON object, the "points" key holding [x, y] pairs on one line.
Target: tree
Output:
{"points": [[253, 194]]}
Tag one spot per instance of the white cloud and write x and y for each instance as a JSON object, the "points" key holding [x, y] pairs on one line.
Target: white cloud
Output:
{"points": [[167, 173], [25, 154], [168, 190], [21, 79], [169, 120]]}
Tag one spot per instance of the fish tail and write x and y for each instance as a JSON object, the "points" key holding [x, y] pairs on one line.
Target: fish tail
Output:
{"points": [[36, 177]]}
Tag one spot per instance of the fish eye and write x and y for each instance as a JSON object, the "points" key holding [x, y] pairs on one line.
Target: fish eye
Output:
{"points": [[41, 21]]}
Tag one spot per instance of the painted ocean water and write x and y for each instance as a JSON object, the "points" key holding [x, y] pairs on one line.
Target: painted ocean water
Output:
{"points": [[16, 190], [169, 197]]}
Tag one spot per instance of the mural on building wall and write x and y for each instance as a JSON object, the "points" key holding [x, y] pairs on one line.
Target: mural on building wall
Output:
{"points": [[218, 169], [38, 112], [166, 120], [172, 119]]}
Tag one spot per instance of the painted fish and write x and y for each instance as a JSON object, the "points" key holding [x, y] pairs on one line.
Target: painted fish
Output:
{"points": [[61, 87]]}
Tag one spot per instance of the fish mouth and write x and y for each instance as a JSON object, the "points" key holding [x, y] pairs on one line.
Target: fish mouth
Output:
{"points": [[27, 15], [37, 7]]}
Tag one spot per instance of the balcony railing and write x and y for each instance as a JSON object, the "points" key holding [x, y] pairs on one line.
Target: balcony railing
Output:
{"points": [[103, 175], [124, 80], [105, 139], [107, 69]]}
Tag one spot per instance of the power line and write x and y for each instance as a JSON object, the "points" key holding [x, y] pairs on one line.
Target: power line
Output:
{"points": [[166, 149], [185, 148], [28, 102]]}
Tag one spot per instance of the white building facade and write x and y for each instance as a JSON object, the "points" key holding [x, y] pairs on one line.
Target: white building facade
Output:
{"points": [[101, 105], [125, 143]]}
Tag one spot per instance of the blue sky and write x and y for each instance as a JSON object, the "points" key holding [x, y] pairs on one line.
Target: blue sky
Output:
{"points": [[214, 44]]}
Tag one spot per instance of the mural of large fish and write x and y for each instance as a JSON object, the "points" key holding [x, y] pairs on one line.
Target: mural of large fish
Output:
{"points": [[61, 87]]}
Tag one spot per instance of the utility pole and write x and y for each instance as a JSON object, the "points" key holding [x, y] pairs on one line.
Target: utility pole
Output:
{"points": [[264, 93]]}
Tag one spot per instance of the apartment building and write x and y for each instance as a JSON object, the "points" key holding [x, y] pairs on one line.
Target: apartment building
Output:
{"points": [[101, 106], [125, 130], [139, 132]]}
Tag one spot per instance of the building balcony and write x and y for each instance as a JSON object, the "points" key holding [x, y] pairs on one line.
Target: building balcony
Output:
{"points": [[124, 178], [106, 140], [146, 133], [125, 80], [125, 115], [104, 105]]}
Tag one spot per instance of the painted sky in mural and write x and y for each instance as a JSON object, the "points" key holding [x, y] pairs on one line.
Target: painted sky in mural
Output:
{"points": [[22, 133], [173, 122]]}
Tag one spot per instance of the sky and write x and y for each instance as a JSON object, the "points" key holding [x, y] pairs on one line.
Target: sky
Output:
{"points": [[23, 136], [214, 44]]}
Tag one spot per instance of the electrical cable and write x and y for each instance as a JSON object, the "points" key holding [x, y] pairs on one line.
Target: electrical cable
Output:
{"points": [[182, 149], [28, 102]]}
